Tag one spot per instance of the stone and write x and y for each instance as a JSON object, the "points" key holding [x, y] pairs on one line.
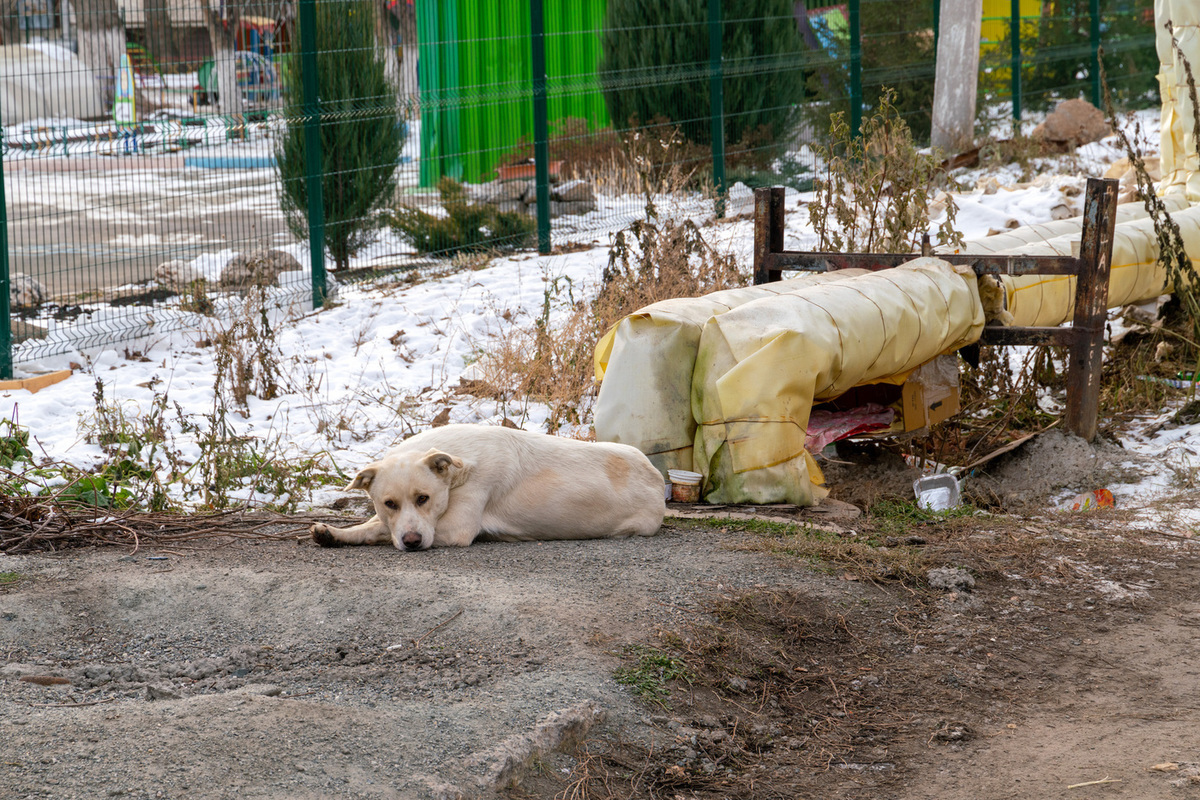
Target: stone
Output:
{"points": [[507, 191], [1062, 210], [578, 208], [176, 275], [259, 268], [574, 191], [950, 579], [1073, 121], [25, 291]]}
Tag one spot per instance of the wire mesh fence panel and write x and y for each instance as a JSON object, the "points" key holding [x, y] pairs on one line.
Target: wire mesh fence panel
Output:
{"points": [[162, 156]]}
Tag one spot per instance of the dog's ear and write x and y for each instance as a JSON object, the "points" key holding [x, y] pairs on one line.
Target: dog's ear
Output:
{"points": [[364, 478], [443, 464]]}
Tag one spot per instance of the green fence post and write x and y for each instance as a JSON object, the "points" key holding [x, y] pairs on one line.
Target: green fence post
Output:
{"points": [[717, 93], [937, 22], [541, 125], [855, 69], [6, 337], [1095, 42], [1015, 35], [306, 16]]}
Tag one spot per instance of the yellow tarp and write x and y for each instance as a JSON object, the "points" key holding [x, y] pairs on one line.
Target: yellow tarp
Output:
{"points": [[761, 366], [645, 362]]}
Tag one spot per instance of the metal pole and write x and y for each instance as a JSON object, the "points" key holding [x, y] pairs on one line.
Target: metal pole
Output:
{"points": [[937, 22], [6, 337], [541, 124], [1095, 42], [717, 93], [307, 19], [1015, 35], [855, 70]]}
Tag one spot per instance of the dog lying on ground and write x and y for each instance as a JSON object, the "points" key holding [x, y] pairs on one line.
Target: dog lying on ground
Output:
{"points": [[446, 486]]}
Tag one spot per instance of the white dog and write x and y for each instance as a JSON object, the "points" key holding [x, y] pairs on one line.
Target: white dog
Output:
{"points": [[448, 485]]}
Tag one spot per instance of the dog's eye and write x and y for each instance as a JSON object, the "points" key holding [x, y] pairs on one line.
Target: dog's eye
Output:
{"points": [[390, 504], [422, 499]]}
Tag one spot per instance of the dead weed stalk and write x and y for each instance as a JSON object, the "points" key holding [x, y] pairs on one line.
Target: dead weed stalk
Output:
{"points": [[874, 196], [552, 362]]}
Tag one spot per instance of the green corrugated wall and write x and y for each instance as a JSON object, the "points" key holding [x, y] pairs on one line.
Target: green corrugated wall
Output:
{"points": [[476, 83]]}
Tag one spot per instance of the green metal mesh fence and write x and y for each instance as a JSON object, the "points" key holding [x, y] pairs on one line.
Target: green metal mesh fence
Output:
{"points": [[161, 156]]}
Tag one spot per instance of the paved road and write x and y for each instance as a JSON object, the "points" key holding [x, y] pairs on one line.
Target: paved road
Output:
{"points": [[86, 224]]}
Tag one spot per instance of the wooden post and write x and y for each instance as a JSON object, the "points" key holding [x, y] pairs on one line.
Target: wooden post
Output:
{"points": [[1091, 308], [957, 75]]}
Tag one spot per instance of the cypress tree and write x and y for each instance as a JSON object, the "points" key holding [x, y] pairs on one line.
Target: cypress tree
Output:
{"points": [[655, 65], [360, 132]]}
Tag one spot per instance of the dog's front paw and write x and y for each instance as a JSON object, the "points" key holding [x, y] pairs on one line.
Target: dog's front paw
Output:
{"points": [[323, 537]]}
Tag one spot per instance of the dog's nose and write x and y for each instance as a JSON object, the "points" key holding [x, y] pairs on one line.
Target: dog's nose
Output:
{"points": [[411, 541]]}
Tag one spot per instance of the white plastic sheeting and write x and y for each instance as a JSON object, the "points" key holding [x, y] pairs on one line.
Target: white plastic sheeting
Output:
{"points": [[1180, 165], [646, 362], [52, 84], [761, 366]]}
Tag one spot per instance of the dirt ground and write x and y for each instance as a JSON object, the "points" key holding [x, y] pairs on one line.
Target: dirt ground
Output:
{"points": [[1021, 655]]}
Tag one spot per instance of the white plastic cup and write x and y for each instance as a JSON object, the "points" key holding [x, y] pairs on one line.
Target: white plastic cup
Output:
{"points": [[685, 485]]}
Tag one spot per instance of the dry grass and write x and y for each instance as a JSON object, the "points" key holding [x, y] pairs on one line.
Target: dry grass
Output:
{"points": [[552, 362], [31, 524]]}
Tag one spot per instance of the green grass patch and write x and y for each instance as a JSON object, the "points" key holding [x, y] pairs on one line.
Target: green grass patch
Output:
{"points": [[648, 677], [899, 516]]}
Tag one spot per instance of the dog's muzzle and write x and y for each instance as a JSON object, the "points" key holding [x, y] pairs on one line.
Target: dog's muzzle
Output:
{"points": [[411, 540]]}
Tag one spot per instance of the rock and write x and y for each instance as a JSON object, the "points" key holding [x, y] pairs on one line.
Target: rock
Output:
{"points": [[260, 268], [511, 207], [505, 764], [24, 291], [507, 191], [577, 208], [1073, 121], [951, 579], [529, 194], [574, 191], [160, 693], [176, 275], [1062, 210]]}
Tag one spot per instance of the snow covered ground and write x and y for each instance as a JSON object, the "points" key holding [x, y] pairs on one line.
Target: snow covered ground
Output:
{"points": [[387, 358]]}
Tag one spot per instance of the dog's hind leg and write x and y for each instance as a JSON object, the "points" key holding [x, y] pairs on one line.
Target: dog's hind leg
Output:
{"points": [[373, 531]]}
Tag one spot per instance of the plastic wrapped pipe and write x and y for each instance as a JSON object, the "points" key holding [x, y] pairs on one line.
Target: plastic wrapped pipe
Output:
{"points": [[1035, 300], [761, 366], [645, 364], [1036, 234]]}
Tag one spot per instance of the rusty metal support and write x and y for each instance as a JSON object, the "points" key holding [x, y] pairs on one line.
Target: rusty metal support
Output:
{"points": [[1000, 335], [1091, 307], [776, 262], [768, 232], [1085, 337]]}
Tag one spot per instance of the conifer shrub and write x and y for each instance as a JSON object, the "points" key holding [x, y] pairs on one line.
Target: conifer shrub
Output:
{"points": [[360, 131], [466, 227], [655, 65]]}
